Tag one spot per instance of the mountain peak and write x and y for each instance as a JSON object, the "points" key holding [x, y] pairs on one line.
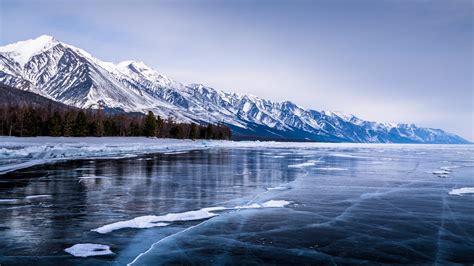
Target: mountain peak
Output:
{"points": [[81, 80], [22, 51], [136, 64]]}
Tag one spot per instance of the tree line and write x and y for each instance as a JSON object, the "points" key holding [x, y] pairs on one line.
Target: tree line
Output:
{"points": [[29, 121]]}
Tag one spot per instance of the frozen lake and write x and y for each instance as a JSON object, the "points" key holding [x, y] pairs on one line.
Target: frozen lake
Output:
{"points": [[234, 203]]}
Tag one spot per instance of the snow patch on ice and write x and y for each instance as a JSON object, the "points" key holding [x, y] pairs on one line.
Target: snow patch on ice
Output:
{"points": [[305, 164], [331, 168], [149, 221], [275, 204], [343, 155], [278, 188], [461, 191], [268, 204], [87, 250], [445, 171]]}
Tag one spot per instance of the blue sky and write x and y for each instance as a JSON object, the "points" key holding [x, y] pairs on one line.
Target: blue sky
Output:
{"points": [[383, 60]]}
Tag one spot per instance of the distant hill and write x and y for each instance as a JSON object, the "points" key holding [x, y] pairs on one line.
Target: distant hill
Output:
{"points": [[15, 97]]}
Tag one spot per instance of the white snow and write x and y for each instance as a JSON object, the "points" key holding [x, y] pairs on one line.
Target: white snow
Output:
{"points": [[24, 50], [275, 204], [278, 188], [87, 250], [343, 155], [268, 204], [331, 168], [460, 191], [305, 164], [149, 221], [163, 220]]}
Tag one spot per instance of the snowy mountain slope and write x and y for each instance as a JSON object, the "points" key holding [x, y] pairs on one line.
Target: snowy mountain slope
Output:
{"points": [[72, 76]]}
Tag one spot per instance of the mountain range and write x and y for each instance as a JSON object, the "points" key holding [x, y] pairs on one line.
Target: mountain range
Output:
{"points": [[74, 77]]}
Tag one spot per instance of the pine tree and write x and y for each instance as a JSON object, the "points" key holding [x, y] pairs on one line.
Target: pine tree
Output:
{"points": [[55, 125], [193, 131], [31, 123], [159, 126], [209, 131], [80, 125], [68, 129], [149, 127]]}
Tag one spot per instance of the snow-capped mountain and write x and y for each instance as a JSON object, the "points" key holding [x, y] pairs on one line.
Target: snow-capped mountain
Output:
{"points": [[72, 76]]}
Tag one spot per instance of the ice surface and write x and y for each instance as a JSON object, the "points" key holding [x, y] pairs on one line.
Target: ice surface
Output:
{"points": [[396, 202], [460, 191], [87, 250]]}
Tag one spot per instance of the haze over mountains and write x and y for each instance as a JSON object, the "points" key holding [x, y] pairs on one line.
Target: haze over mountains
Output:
{"points": [[72, 76]]}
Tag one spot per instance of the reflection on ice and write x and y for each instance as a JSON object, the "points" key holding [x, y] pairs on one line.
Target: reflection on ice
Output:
{"points": [[92, 177]]}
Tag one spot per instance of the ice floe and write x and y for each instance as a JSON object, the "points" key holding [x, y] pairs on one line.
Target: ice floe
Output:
{"points": [[461, 191], [88, 250]]}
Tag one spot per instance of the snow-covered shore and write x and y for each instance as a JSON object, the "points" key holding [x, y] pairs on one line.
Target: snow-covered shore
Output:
{"points": [[17, 153]]}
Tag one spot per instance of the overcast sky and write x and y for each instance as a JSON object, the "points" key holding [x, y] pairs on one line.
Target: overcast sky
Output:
{"points": [[391, 61]]}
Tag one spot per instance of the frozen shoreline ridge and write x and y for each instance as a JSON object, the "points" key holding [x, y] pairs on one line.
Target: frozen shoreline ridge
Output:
{"points": [[17, 153]]}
